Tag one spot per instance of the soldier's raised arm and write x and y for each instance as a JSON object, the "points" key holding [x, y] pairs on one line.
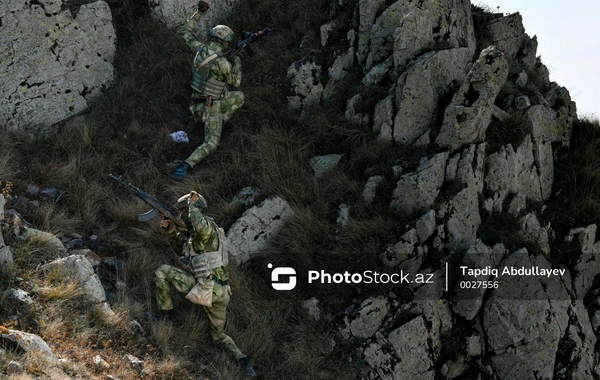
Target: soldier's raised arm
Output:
{"points": [[187, 30]]}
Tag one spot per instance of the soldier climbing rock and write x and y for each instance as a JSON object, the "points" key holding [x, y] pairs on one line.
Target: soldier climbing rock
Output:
{"points": [[205, 281], [212, 77]]}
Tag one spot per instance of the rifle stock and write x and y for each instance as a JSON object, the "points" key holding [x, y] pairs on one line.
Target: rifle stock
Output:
{"points": [[157, 207]]}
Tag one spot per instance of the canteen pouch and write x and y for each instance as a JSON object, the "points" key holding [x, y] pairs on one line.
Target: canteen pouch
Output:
{"points": [[202, 292]]}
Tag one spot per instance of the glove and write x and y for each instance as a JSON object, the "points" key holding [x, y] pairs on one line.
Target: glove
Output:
{"points": [[203, 6]]}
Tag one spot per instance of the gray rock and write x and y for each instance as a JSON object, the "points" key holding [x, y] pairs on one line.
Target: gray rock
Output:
{"points": [[78, 268], [324, 31], [322, 165], [595, 320], [338, 71], [305, 79], [312, 307], [368, 319], [53, 62], [412, 350], [522, 79], [507, 34], [422, 86], [421, 27], [529, 171], [14, 368], [541, 123], [255, 229], [135, 362], [6, 261], [466, 119], [500, 114], [522, 102], [580, 332], [588, 265], [377, 72], [343, 216], [454, 368], [368, 10], [470, 167], [370, 189], [352, 114], [19, 295], [417, 191], [44, 239], [28, 342], [468, 301], [425, 225], [533, 232], [527, 316], [474, 346], [246, 196], [174, 13], [512, 367], [383, 118]]}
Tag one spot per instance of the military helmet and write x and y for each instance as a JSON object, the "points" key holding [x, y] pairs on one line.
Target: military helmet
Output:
{"points": [[222, 32], [182, 202]]}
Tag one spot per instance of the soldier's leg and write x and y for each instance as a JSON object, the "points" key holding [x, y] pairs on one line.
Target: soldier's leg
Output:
{"points": [[168, 277], [232, 103], [217, 317], [212, 135]]}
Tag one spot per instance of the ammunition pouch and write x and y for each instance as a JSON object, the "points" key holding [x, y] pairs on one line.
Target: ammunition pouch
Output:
{"points": [[201, 293]]}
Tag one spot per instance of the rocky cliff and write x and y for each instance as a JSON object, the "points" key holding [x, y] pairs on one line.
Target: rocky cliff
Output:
{"points": [[461, 86]]}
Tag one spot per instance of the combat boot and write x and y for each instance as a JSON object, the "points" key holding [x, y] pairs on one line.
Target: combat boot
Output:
{"points": [[181, 172], [245, 363]]}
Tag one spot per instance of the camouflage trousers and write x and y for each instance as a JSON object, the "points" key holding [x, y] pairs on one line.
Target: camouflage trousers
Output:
{"points": [[168, 277], [214, 117]]}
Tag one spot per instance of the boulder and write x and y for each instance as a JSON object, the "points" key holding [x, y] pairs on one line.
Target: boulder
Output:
{"points": [[174, 13], [368, 10], [54, 61], [338, 71], [368, 318], [383, 118], [467, 118], [305, 78], [256, 228], [370, 189], [525, 318], [528, 170], [421, 87], [417, 191], [322, 165], [588, 265], [410, 343], [468, 301], [27, 342], [77, 268]]}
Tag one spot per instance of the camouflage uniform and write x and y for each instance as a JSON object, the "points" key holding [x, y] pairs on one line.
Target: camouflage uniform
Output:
{"points": [[222, 109], [204, 238]]}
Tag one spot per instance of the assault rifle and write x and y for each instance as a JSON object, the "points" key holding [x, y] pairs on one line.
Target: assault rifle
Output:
{"points": [[248, 38], [157, 207]]}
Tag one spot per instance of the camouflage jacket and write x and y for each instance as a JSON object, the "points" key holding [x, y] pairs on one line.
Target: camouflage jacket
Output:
{"points": [[222, 70], [204, 236]]}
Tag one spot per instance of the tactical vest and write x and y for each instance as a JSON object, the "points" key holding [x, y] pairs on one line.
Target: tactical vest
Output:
{"points": [[210, 260], [201, 81]]}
